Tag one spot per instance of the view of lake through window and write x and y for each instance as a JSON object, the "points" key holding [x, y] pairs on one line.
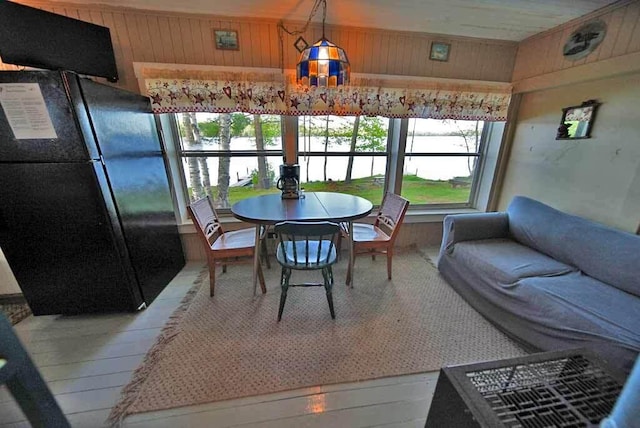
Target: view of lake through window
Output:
{"points": [[329, 158]]}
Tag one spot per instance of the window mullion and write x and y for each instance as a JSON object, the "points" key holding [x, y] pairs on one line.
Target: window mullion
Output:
{"points": [[343, 154], [290, 139], [171, 137], [446, 154], [228, 154], [396, 144], [478, 170]]}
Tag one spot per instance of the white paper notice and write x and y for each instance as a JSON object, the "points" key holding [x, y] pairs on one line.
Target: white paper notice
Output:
{"points": [[26, 111]]}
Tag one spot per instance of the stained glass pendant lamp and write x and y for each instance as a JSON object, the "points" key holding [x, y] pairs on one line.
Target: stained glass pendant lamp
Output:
{"points": [[323, 64]]}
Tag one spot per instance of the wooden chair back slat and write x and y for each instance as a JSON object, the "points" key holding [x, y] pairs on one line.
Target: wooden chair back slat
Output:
{"points": [[391, 213], [206, 218]]}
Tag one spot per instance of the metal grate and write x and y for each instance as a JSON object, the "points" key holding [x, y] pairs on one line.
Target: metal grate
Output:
{"points": [[563, 392]]}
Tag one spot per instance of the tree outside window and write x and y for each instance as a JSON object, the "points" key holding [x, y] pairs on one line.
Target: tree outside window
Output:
{"points": [[229, 156]]}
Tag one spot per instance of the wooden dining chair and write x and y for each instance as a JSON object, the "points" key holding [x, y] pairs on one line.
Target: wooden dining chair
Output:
{"points": [[222, 248], [24, 381], [379, 238], [306, 246]]}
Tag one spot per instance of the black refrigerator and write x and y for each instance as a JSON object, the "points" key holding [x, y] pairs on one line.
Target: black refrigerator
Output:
{"points": [[86, 212]]}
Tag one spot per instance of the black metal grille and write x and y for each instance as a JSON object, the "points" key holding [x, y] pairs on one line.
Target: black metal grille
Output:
{"points": [[563, 392]]}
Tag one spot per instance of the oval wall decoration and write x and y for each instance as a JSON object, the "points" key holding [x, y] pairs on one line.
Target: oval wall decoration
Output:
{"points": [[584, 40]]}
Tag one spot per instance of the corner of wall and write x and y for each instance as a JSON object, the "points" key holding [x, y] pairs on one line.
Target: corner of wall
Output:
{"points": [[8, 283]]}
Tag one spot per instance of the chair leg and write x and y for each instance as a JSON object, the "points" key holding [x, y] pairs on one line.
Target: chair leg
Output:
{"points": [[25, 383], [389, 261], [284, 283], [261, 279], [351, 269], [328, 283], [212, 278], [264, 252]]}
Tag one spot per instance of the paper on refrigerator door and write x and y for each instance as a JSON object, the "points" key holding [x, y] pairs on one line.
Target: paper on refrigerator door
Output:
{"points": [[26, 111]]}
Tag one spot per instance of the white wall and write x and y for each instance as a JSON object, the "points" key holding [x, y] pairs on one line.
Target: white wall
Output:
{"points": [[597, 178], [8, 284]]}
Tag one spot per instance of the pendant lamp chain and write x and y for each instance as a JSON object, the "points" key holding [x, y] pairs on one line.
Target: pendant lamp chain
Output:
{"points": [[324, 15]]}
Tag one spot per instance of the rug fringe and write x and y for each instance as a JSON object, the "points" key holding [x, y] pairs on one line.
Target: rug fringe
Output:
{"points": [[130, 392]]}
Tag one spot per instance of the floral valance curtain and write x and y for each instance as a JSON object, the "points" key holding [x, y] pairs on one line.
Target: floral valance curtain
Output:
{"points": [[262, 93]]}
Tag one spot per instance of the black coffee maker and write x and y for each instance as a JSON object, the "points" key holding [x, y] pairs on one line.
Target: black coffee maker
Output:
{"points": [[289, 181]]}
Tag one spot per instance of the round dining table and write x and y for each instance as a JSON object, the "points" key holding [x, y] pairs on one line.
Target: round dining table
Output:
{"points": [[270, 209]]}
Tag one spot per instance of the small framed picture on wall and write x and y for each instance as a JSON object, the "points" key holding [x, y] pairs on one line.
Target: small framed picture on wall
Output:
{"points": [[226, 39], [439, 51]]}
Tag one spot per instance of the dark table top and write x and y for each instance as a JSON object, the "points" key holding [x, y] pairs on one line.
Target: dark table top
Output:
{"points": [[315, 206]]}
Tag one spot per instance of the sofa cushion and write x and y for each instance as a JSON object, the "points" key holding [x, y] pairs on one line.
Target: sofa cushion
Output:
{"points": [[576, 305], [540, 312], [609, 255], [506, 261]]}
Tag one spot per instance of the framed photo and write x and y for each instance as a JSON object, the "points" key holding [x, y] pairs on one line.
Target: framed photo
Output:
{"points": [[439, 51], [226, 39], [577, 121]]}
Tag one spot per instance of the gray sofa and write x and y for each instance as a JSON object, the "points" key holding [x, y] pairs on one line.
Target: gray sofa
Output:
{"points": [[548, 279]]}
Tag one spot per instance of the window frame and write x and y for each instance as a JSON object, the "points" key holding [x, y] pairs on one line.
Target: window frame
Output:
{"points": [[397, 137], [343, 154], [398, 144], [183, 154]]}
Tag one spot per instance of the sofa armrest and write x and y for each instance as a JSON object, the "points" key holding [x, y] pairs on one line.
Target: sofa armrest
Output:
{"points": [[470, 227]]}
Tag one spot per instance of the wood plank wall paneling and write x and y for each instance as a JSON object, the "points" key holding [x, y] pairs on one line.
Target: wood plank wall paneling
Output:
{"points": [[627, 30], [165, 37], [542, 53]]}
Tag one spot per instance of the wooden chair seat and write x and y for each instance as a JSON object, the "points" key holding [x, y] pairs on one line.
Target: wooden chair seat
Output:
{"points": [[370, 234], [311, 255], [243, 240]]}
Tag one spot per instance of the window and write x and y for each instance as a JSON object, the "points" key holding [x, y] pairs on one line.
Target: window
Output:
{"points": [[441, 161], [433, 163], [332, 160], [229, 156]]}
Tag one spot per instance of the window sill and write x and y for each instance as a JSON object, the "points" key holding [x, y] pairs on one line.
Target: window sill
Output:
{"points": [[434, 216], [412, 216]]}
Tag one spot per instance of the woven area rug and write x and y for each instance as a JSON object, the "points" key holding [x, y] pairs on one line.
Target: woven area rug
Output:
{"points": [[232, 346], [15, 312]]}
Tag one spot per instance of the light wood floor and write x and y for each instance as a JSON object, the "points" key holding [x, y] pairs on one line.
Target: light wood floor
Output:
{"points": [[86, 360]]}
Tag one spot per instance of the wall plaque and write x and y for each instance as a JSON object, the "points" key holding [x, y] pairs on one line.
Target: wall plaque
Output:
{"points": [[584, 40]]}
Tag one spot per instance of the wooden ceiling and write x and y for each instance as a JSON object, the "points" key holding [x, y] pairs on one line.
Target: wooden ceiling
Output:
{"points": [[493, 19]]}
